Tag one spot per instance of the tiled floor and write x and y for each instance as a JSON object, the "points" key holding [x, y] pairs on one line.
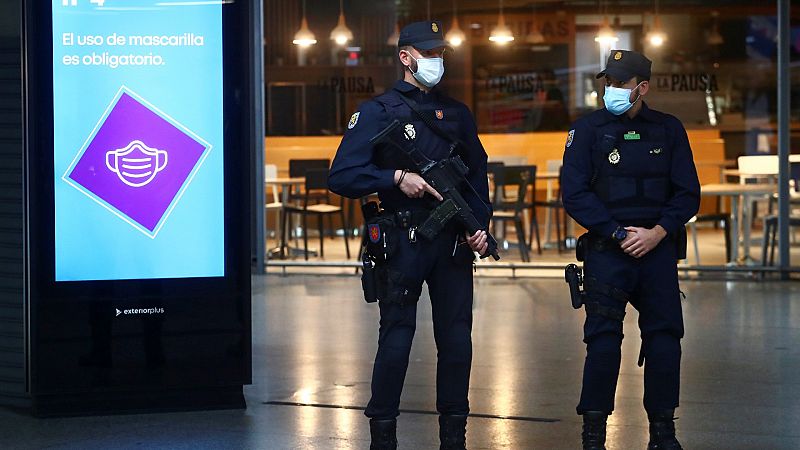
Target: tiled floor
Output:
{"points": [[314, 341]]}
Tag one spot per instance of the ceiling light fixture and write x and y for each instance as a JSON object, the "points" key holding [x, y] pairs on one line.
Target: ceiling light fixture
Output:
{"points": [[455, 36], [304, 37], [501, 34], [341, 34]]}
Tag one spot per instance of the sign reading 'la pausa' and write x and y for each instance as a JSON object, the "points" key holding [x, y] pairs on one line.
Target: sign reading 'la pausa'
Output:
{"points": [[685, 82]]}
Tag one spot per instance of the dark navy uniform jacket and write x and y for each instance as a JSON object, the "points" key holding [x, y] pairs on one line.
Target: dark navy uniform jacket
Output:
{"points": [[359, 169], [620, 171]]}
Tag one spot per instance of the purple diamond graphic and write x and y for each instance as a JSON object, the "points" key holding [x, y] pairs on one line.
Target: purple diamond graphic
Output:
{"points": [[138, 162]]}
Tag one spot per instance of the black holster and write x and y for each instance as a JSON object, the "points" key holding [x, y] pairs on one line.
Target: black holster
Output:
{"points": [[573, 275], [369, 279], [378, 247]]}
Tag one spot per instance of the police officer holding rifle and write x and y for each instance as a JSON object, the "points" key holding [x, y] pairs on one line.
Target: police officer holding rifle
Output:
{"points": [[419, 150]]}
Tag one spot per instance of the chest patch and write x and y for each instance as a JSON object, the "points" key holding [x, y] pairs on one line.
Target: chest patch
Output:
{"points": [[614, 157], [632, 136], [439, 114], [409, 131]]}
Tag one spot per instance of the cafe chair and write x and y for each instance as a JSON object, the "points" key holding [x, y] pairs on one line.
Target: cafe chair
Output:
{"points": [[556, 205], [757, 169], [511, 184], [316, 185], [771, 237], [794, 185], [716, 218], [771, 221], [298, 169]]}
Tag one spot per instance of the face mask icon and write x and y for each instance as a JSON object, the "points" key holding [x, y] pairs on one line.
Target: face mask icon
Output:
{"points": [[136, 164]]}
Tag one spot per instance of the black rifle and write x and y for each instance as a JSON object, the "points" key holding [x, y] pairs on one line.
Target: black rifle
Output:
{"points": [[445, 176], [573, 275]]}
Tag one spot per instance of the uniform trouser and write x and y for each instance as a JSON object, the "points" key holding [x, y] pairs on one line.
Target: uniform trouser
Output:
{"points": [[449, 280], [652, 285]]}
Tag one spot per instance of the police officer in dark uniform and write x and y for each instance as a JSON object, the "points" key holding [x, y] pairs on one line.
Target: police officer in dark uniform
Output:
{"points": [[444, 263], [630, 180]]}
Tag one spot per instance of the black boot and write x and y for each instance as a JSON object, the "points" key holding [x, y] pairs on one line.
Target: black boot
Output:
{"points": [[452, 432], [594, 430], [383, 433], [662, 431]]}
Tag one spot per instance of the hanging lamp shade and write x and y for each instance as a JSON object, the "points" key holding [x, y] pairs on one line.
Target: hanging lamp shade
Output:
{"points": [[606, 34], [341, 34], [304, 37], [455, 36], [714, 38], [535, 36], [501, 34], [656, 36]]}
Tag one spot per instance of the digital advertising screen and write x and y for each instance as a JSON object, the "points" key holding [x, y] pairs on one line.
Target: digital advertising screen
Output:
{"points": [[138, 139]]}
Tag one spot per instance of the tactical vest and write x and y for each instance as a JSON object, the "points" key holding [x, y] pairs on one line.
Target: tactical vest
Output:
{"points": [[447, 118], [631, 175]]}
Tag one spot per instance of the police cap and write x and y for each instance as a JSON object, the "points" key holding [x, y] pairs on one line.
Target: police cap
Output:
{"points": [[423, 35], [625, 64]]}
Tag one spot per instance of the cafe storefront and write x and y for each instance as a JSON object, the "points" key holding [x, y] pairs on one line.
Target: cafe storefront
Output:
{"points": [[526, 70]]}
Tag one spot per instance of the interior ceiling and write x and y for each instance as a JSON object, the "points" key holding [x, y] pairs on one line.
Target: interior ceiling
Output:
{"points": [[591, 6]]}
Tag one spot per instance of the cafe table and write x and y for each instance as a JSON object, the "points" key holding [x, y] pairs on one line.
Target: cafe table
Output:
{"points": [[739, 215], [287, 185]]}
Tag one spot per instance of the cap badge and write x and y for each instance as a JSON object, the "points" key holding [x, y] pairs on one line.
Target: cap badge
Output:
{"points": [[617, 56], [410, 132], [439, 114], [435, 27], [614, 157]]}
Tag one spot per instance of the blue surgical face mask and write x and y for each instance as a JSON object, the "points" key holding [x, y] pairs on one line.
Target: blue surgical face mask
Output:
{"points": [[429, 70], [618, 100]]}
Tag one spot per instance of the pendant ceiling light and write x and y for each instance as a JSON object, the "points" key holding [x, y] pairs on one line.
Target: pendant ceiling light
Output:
{"points": [[656, 36], [606, 35], [455, 36], [304, 37], [501, 34], [341, 34], [714, 38], [535, 36]]}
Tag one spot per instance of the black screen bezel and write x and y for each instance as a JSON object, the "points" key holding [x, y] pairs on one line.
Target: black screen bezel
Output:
{"points": [[229, 291]]}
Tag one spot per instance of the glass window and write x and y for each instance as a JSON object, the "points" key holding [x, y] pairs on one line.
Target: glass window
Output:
{"points": [[714, 67]]}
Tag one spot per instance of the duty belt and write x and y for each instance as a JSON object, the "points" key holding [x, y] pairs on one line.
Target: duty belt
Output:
{"points": [[409, 218]]}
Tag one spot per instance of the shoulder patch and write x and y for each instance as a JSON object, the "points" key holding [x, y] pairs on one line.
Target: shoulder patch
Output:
{"points": [[353, 120], [570, 137]]}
